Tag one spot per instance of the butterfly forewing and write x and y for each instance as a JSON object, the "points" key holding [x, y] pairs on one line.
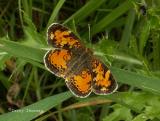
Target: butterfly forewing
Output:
{"points": [[61, 37]]}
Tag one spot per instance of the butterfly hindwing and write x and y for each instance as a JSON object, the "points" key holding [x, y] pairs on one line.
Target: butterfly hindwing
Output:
{"points": [[80, 81], [103, 82]]}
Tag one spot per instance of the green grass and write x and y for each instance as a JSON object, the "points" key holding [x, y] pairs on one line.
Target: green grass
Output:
{"points": [[118, 33]]}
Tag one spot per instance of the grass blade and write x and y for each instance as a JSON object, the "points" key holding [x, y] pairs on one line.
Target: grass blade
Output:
{"points": [[128, 29], [111, 17], [134, 79], [150, 84], [32, 111], [22, 51], [91, 6], [55, 12]]}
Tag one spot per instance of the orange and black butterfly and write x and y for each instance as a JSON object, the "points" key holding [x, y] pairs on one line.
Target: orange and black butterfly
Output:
{"points": [[71, 60]]}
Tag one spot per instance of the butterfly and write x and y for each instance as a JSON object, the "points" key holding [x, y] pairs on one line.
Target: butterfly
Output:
{"points": [[71, 60]]}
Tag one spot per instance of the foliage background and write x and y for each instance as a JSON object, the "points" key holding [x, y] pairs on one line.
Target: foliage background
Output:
{"points": [[122, 33]]}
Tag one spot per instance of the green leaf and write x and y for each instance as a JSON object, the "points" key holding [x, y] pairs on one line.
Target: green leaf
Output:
{"points": [[144, 36], [141, 117], [33, 54], [34, 110], [55, 12], [138, 102], [81, 14], [141, 81], [120, 113], [111, 17], [21, 51], [128, 29]]}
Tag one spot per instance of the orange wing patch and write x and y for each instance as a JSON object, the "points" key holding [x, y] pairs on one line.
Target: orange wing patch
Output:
{"points": [[80, 84], [61, 37], [103, 81], [102, 78], [56, 60], [59, 58]]}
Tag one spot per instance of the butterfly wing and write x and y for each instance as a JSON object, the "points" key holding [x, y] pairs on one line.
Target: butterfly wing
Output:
{"points": [[64, 63], [80, 81], [57, 61], [66, 60], [103, 82], [75, 64], [61, 37]]}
